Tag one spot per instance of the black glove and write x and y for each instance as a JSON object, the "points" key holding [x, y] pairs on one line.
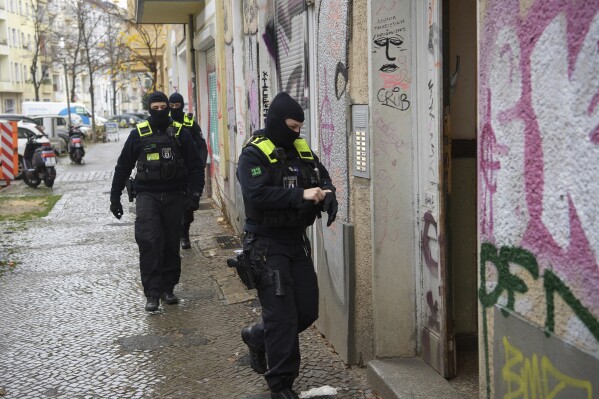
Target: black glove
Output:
{"points": [[116, 208], [193, 202], [330, 206]]}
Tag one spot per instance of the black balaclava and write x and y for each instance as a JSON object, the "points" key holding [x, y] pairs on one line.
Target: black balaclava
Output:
{"points": [[281, 108], [159, 117], [177, 114]]}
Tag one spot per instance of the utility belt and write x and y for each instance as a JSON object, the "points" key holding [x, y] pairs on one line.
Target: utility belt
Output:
{"points": [[160, 171]]}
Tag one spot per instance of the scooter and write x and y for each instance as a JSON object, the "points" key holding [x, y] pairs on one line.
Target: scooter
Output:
{"points": [[76, 150], [39, 161]]}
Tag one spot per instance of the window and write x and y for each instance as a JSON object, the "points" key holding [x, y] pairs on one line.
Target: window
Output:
{"points": [[25, 73], [9, 105]]}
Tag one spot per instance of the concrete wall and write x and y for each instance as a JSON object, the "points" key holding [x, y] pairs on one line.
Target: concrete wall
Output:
{"points": [[538, 190], [360, 190], [392, 175]]}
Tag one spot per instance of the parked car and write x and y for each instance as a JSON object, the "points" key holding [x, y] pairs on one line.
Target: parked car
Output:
{"points": [[125, 120], [25, 118], [54, 126], [142, 115], [57, 143], [25, 130]]}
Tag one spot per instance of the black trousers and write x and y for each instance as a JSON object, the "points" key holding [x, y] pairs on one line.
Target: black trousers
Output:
{"points": [[285, 316], [157, 233], [187, 221]]}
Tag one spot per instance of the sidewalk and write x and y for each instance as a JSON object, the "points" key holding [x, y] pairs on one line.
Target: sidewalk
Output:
{"points": [[73, 324]]}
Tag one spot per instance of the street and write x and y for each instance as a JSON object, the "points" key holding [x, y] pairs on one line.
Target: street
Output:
{"points": [[73, 323]]}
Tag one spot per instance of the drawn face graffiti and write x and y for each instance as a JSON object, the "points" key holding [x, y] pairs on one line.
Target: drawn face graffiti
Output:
{"points": [[392, 44]]}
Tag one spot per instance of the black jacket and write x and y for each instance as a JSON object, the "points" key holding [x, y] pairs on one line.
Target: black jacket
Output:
{"points": [[196, 133], [131, 150], [259, 194]]}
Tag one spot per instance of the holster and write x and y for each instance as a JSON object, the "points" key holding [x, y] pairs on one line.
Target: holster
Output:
{"points": [[130, 189], [246, 272]]}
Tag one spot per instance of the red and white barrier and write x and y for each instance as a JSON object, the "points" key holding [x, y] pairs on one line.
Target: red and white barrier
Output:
{"points": [[9, 158]]}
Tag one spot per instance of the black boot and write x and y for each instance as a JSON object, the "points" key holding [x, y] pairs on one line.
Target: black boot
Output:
{"points": [[286, 393], [152, 304], [169, 298], [257, 352]]}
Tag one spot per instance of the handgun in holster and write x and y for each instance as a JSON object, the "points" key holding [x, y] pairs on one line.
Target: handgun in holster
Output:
{"points": [[245, 269], [130, 189]]}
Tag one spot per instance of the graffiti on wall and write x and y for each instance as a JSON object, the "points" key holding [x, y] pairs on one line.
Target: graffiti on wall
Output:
{"points": [[391, 59], [507, 283], [265, 89], [230, 98], [538, 153], [332, 42], [532, 364]]}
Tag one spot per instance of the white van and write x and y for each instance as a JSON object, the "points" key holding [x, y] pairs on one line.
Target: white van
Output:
{"points": [[80, 115]]}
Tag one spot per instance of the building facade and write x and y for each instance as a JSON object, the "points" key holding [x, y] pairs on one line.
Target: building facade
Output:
{"points": [[464, 170], [17, 41]]}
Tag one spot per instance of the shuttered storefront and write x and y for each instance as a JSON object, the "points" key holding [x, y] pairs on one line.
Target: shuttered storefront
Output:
{"points": [[291, 48]]}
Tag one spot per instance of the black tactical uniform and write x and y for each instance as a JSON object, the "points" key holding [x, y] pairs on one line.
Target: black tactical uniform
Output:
{"points": [[196, 133], [167, 161], [274, 169]]}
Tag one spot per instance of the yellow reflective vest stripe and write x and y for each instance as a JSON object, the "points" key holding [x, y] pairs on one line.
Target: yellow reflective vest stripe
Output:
{"points": [[144, 128], [267, 147]]}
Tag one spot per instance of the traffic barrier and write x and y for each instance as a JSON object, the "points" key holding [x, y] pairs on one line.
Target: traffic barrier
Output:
{"points": [[9, 157]]}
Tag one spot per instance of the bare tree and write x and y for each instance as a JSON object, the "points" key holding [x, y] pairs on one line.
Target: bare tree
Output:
{"points": [[146, 43], [41, 56], [90, 21], [117, 54]]}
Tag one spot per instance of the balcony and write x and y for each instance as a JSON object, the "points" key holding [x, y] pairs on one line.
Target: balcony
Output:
{"points": [[164, 11], [7, 87]]}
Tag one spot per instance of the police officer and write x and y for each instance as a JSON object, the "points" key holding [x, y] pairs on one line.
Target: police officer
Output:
{"points": [[176, 103], [284, 189], [167, 161]]}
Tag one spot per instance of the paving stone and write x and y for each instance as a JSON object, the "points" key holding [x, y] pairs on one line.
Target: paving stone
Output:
{"points": [[73, 323]]}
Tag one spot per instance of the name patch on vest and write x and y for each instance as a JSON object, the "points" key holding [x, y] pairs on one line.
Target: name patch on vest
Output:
{"points": [[154, 156], [257, 171], [167, 153]]}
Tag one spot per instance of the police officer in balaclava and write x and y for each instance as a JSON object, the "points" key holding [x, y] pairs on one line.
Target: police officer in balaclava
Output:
{"points": [[285, 187], [177, 103], [167, 162]]}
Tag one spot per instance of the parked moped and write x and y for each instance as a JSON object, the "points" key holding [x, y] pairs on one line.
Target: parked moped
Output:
{"points": [[39, 161], [76, 149]]}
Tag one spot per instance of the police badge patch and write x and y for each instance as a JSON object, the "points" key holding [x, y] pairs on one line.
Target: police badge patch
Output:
{"points": [[167, 153]]}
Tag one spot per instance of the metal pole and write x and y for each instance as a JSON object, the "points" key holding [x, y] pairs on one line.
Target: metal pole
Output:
{"points": [[66, 83]]}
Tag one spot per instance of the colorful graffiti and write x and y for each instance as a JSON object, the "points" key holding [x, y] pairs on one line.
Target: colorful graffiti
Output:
{"points": [[332, 40], [538, 155], [503, 265], [536, 378]]}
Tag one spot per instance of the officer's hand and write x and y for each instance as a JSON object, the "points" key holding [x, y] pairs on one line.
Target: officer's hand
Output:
{"points": [[193, 202], [117, 209], [330, 206], [315, 194]]}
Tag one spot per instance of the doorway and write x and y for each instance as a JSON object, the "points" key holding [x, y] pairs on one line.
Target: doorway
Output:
{"points": [[460, 132]]}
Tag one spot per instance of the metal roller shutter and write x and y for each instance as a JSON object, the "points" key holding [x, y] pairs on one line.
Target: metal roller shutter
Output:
{"points": [[290, 48]]}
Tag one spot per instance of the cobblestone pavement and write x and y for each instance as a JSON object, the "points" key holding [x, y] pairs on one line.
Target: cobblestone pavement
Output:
{"points": [[73, 326]]}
